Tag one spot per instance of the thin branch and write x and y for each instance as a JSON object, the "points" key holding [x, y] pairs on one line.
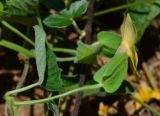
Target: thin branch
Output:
{"points": [[84, 68]]}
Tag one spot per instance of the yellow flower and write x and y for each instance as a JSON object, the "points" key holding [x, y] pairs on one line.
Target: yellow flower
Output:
{"points": [[102, 111], [145, 94]]}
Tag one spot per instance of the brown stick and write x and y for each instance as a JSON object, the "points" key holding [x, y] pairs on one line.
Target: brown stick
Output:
{"points": [[84, 68]]}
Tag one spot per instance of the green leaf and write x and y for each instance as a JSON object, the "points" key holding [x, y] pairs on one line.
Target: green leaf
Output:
{"points": [[66, 13], [78, 8], [143, 14], [86, 53], [40, 51], [1, 7], [52, 81], [17, 48], [111, 75], [57, 21], [48, 71], [21, 7], [109, 41]]}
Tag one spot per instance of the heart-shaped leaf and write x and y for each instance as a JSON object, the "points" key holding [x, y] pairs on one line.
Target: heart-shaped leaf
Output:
{"points": [[111, 75]]}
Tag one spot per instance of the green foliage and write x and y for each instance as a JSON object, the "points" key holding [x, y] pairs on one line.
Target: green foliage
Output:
{"points": [[111, 75], [109, 41], [52, 80], [86, 53], [40, 52], [21, 7], [65, 17], [143, 14], [109, 44], [78, 8], [48, 70], [1, 7], [57, 21]]}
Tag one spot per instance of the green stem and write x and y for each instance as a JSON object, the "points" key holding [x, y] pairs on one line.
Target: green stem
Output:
{"points": [[89, 87], [10, 104], [76, 27], [114, 9], [24, 73], [22, 89], [66, 59], [39, 18], [146, 106], [39, 21], [64, 50], [17, 32]]}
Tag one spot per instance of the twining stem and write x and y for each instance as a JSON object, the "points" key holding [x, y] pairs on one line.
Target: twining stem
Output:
{"points": [[64, 50], [89, 87], [24, 73], [114, 9], [22, 89], [146, 106], [17, 32]]}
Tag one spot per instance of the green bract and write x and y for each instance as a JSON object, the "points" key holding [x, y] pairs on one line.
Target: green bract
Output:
{"points": [[109, 42], [86, 53]]}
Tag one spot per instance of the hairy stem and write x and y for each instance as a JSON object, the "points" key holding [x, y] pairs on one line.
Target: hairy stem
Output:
{"points": [[102, 12], [89, 87], [22, 89]]}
